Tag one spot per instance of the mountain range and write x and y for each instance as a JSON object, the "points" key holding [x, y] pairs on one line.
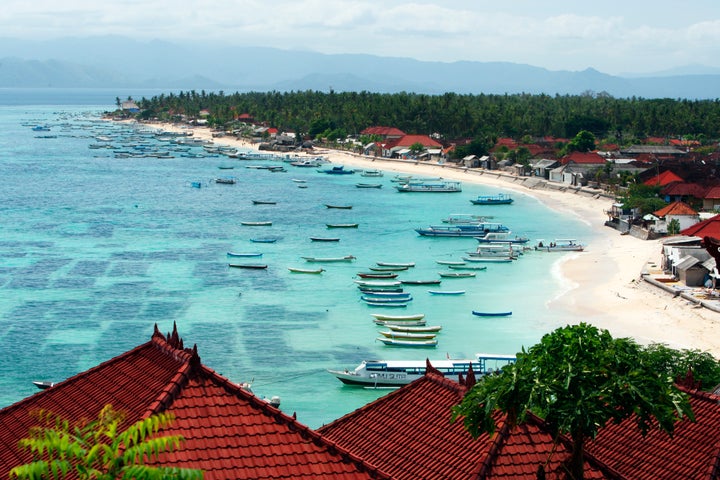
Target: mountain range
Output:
{"points": [[119, 62]]}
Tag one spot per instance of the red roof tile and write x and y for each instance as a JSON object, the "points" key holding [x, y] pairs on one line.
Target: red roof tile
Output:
{"points": [[585, 158], [675, 208], [706, 228], [229, 432], [384, 131], [408, 140], [663, 179], [712, 193], [682, 189]]}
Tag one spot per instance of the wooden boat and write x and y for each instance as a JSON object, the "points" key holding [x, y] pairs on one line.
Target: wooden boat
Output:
{"points": [[465, 219], [371, 173], [264, 202], [392, 289], [378, 275], [461, 230], [324, 239], [420, 282], [346, 258], [391, 264], [306, 270], [491, 314], [449, 262], [368, 185], [457, 274], [370, 298], [256, 224], [446, 292], [298, 180], [467, 267], [386, 304], [264, 240], [250, 254], [377, 283], [337, 170], [341, 225], [400, 323], [392, 342], [226, 181], [388, 269], [341, 207], [399, 318], [560, 245], [256, 266], [418, 329], [428, 187], [488, 259], [385, 294], [499, 199], [413, 336], [502, 237], [43, 385]]}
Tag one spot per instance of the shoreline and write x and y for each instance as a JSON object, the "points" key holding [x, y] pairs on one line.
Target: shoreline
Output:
{"points": [[602, 285]]}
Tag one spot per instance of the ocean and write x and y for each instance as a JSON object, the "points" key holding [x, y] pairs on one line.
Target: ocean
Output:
{"points": [[96, 250]]}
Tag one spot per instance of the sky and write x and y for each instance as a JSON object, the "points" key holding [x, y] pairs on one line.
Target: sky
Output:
{"points": [[612, 36]]}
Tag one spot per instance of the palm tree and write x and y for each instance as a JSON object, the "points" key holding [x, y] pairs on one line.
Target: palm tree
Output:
{"points": [[98, 449]]}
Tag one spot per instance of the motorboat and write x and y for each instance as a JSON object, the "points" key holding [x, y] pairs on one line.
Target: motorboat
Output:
{"points": [[499, 199]]}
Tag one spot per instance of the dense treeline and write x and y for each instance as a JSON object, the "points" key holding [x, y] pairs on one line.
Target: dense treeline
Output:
{"points": [[452, 115]]}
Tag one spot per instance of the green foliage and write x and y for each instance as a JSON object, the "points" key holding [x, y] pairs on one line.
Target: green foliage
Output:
{"points": [[416, 148], [676, 363], [673, 226], [99, 449], [584, 141], [577, 379], [646, 198]]}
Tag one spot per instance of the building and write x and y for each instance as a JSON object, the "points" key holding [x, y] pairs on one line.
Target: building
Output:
{"points": [[679, 211]]}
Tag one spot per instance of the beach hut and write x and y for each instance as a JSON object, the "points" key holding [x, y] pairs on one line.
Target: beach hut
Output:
{"points": [[691, 272]]}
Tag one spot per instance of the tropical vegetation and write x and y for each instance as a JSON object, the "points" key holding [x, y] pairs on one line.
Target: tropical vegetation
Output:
{"points": [[577, 379]]}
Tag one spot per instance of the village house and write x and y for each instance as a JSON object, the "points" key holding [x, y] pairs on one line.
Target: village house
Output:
{"points": [[230, 433], [400, 147], [676, 211]]}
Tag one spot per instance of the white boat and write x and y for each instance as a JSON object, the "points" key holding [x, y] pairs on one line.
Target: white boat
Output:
{"points": [[306, 270], [250, 254], [411, 329], [457, 274], [386, 304], [465, 219], [401, 318], [394, 264], [428, 187], [371, 173], [346, 258], [392, 342], [377, 283], [400, 323], [446, 292], [450, 262], [502, 259], [560, 245], [370, 298], [501, 237], [368, 185], [396, 373], [413, 336], [257, 224]]}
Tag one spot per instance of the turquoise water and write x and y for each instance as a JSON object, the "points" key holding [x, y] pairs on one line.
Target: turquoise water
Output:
{"points": [[95, 250]]}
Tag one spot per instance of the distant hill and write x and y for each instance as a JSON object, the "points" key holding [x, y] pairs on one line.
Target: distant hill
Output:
{"points": [[119, 62]]}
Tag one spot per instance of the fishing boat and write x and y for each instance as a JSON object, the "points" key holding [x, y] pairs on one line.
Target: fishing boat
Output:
{"points": [[560, 245], [256, 266], [398, 318], [501, 237], [370, 298], [43, 385], [324, 239], [390, 289], [264, 202], [306, 270], [386, 294], [346, 258], [386, 304], [371, 173], [464, 219], [420, 282], [257, 224], [393, 342], [388, 269], [450, 262], [341, 225], [467, 267], [396, 373], [226, 180], [368, 185], [378, 275], [446, 292], [413, 336], [394, 264], [430, 187], [469, 230], [488, 259], [340, 207], [457, 274], [337, 170], [299, 180], [249, 254], [377, 283], [264, 240], [491, 314], [418, 329], [499, 199], [406, 323]]}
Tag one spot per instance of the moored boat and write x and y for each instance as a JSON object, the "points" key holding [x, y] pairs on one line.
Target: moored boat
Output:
{"points": [[264, 240], [457, 274], [386, 304], [446, 292], [412, 336], [396, 373], [377, 283], [395, 264], [467, 267], [368, 185], [341, 207], [306, 270], [324, 239], [249, 254], [371, 173], [337, 170], [370, 298], [450, 262], [257, 224], [396, 342], [488, 259], [461, 230], [346, 258], [560, 245], [411, 329], [388, 269], [264, 202], [491, 314], [399, 318], [499, 199], [371, 289], [501, 237], [421, 282], [378, 275], [341, 225], [255, 266], [430, 187]]}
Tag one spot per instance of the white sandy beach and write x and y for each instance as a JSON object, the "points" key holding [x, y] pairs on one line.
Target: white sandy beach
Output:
{"points": [[604, 285]]}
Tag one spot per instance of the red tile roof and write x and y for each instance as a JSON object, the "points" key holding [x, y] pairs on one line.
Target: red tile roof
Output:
{"points": [[663, 179], [585, 158], [407, 140], [712, 193], [229, 432], [693, 452], [675, 208], [706, 228], [383, 131], [682, 189], [408, 434]]}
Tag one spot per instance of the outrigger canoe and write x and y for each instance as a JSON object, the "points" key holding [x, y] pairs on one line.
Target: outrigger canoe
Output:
{"points": [[408, 343], [413, 336], [393, 264], [341, 225], [342, 207], [306, 270], [346, 258], [251, 254], [256, 266], [256, 224], [377, 283], [417, 329], [491, 314], [446, 292], [383, 317], [324, 239]]}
